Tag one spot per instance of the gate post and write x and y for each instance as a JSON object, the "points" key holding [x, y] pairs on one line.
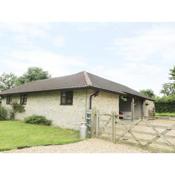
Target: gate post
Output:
{"points": [[97, 122], [113, 128], [132, 108]]}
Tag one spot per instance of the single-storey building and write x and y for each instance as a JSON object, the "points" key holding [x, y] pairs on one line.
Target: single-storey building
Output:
{"points": [[66, 100]]}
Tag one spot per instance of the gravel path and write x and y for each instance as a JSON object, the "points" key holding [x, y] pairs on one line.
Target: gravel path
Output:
{"points": [[87, 146]]}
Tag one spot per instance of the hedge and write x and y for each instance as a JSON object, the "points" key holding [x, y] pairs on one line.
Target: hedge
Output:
{"points": [[165, 106]]}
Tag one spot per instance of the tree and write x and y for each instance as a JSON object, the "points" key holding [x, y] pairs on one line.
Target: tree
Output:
{"points": [[168, 89], [172, 73], [7, 81], [33, 74], [148, 93]]}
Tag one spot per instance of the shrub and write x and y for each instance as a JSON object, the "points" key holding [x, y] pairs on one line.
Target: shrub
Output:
{"points": [[36, 119], [3, 113], [165, 104], [16, 108]]}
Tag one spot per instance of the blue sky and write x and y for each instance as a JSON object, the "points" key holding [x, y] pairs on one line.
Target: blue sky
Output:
{"points": [[135, 54]]}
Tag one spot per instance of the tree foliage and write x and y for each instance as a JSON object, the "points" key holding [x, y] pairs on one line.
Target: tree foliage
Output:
{"points": [[7, 81], [168, 89], [148, 93], [167, 102], [172, 73], [33, 74]]}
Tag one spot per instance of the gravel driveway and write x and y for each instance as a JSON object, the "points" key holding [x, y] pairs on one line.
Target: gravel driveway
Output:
{"points": [[86, 146]]}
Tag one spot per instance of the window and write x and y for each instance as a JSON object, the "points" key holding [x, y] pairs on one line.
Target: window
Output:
{"points": [[23, 99], [8, 100], [67, 98]]}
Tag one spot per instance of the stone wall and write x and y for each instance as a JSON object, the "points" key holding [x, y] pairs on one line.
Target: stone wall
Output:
{"points": [[66, 116], [48, 104], [105, 102], [148, 106]]}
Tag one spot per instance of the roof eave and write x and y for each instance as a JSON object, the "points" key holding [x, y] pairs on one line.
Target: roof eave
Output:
{"points": [[47, 90], [143, 97], [115, 92]]}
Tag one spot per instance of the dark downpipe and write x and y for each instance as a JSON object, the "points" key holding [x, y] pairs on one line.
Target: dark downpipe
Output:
{"points": [[90, 98]]}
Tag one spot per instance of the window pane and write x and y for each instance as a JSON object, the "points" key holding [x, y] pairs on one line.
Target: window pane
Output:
{"points": [[69, 101], [67, 98], [8, 99], [23, 99], [63, 101]]}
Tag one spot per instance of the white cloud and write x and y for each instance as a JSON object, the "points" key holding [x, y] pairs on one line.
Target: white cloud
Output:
{"points": [[147, 57], [30, 29], [144, 58], [87, 28], [143, 45], [55, 64], [24, 34], [59, 41], [91, 26]]}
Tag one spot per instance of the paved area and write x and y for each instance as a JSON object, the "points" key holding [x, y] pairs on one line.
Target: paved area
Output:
{"points": [[86, 146]]}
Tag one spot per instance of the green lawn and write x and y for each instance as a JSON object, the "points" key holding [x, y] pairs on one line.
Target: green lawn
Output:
{"points": [[166, 114], [16, 134]]}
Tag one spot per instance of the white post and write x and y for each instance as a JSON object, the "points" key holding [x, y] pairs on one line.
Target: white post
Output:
{"points": [[83, 131]]}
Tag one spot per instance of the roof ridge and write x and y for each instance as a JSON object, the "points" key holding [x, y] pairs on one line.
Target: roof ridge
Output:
{"points": [[87, 79]]}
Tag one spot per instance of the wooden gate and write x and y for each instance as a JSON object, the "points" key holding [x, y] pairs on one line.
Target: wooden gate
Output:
{"points": [[158, 135]]}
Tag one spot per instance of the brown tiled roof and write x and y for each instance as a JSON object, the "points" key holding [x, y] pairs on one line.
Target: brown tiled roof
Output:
{"points": [[79, 80]]}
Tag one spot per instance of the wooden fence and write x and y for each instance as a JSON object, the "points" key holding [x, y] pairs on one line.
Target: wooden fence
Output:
{"points": [[158, 135]]}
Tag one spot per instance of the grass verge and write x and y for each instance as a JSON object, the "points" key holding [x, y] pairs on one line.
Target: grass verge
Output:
{"points": [[16, 134], [166, 114]]}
